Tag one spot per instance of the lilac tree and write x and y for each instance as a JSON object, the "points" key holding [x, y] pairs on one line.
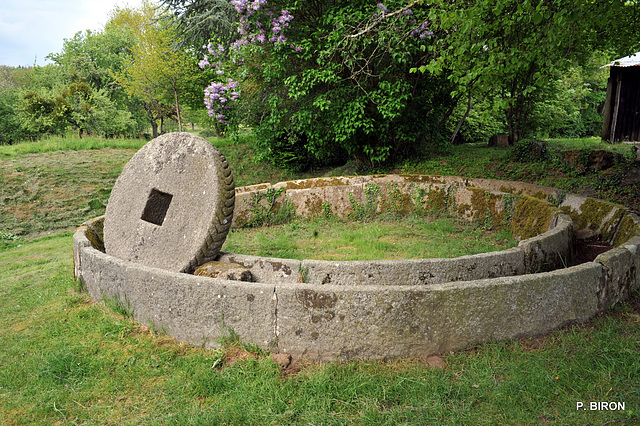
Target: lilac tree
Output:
{"points": [[322, 81]]}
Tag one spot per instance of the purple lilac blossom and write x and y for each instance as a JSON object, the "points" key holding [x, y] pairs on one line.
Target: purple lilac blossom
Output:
{"points": [[218, 95]]}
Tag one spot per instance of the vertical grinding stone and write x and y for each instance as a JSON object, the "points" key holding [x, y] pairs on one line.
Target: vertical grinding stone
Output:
{"points": [[172, 205]]}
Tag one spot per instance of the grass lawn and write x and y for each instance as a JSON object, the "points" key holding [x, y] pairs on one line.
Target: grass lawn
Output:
{"points": [[67, 360], [412, 237]]}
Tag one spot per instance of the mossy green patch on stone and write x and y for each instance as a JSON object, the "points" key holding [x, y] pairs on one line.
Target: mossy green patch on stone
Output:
{"points": [[598, 216], [314, 206], [316, 183], [510, 190], [539, 195], [484, 205], [93, 230], [628, 228], [462, 210], [396, 200], [531, 217]]}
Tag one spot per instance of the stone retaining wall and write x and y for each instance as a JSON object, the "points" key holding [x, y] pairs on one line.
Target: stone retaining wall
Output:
{"points": [[347, 318]]}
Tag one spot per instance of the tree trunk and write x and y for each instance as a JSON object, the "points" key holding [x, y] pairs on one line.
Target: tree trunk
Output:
{"points": [[463, 119], [175, 94], [154, 128]]}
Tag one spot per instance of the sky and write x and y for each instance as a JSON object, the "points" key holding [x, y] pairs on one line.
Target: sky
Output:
{"points": [[32, 29]]}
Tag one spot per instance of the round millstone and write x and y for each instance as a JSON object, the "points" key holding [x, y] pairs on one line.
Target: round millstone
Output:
{"points": [[172, 205]]}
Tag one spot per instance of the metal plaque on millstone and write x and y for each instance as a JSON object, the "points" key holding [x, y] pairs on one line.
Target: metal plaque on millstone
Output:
{"points": [[172, 205]]}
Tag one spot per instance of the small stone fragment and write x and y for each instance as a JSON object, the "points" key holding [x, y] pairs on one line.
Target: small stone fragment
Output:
{"points": [[283, 360], [223, 270], [435, 361]]}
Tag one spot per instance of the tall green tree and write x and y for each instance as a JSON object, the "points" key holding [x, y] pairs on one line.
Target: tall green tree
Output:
{"points": [[513, 51], [157, 73], [318, 81], [201, 21], [316, 78]]}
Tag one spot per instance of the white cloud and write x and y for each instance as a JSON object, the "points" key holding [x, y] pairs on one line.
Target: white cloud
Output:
{"points": [[36, 28]]}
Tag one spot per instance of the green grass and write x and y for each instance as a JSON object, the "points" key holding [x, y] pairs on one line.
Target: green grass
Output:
{"points": [[52, 186], [410, 237], [52, 144], [68, 360]]}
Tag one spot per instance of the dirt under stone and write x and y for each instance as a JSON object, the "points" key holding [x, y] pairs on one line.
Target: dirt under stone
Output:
{"points": [[588, 250]]}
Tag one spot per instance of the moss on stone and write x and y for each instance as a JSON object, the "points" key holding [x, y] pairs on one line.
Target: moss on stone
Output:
{"points": [[540, 195], [423, 179], [627, 229], [395, 199], [316, 183], [462, 210], [598, 216], [532, 216], [484, 205], [437, 199], [510, 190], [313, 206], [93, 230]]}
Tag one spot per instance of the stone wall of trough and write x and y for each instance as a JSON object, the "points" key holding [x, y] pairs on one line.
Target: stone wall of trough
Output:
{"points": [[344, 319], [545, 232]]}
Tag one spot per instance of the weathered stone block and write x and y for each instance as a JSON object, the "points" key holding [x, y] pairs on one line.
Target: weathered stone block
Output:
{"points": [[223, 270], [339, 323], [551, 250], [592, 217], [197, 310], [414, 271], [628, 228], [267, 269], [618, 277], [531, 217], [500, 139]]}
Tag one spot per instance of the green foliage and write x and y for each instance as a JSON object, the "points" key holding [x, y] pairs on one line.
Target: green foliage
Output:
{"points": [[526, 150], [570, 108], [326, 210], [367, 210], [156, 74], [75, 94], [340, 95], [11, 129], [200, 21], [270, 208], [508, 208], [520, 54]]}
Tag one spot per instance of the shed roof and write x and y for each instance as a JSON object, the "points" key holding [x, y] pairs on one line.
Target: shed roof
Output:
{"points": [[627, 61]]}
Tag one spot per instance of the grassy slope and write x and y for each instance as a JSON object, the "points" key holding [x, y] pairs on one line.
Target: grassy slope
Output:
{"points": [[66, 360]]}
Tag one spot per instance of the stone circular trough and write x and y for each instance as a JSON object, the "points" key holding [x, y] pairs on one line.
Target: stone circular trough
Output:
{"points": [[330, 310]]}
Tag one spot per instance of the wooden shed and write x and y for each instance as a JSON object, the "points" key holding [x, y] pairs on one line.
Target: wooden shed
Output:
{"points": [[622, 107]]}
